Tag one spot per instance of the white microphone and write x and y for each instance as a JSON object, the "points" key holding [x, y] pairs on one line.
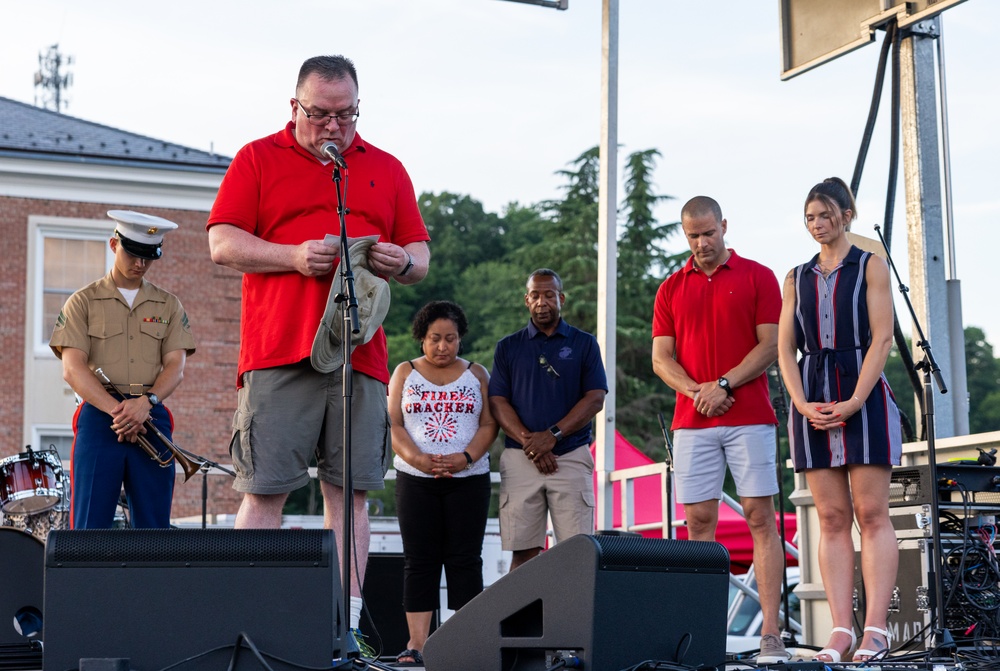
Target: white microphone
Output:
{"points": [[330, 150]]}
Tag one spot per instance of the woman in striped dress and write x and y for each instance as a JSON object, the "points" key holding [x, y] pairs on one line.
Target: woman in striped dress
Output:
{"points": [[844, 427]]}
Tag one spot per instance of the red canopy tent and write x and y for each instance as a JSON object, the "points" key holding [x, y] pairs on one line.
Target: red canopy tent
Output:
{"points": [[732, 531]]}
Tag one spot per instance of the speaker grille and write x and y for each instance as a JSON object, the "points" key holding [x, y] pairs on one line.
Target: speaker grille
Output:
{"points": [[202, 547], [626, 553]]}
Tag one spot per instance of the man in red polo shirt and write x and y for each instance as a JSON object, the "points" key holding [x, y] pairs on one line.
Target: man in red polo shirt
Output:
{"points": [[715, 332], [275, 209]]}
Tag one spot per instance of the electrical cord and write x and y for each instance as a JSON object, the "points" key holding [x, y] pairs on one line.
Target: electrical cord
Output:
{"points": [[244, 641]]}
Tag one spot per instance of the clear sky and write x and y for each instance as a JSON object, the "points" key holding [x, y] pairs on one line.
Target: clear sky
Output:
{"points": [[491, 98]]}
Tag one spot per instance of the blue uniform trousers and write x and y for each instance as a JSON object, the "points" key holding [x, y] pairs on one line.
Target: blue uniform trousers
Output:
{"points": [[101, 466]]}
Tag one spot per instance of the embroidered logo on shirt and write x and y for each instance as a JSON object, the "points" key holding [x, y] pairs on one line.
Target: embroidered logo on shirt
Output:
{"points": [[60, 320]]}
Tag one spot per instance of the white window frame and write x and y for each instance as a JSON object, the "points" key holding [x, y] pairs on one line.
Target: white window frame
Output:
{"points": [[60, 430], [40, 228]]}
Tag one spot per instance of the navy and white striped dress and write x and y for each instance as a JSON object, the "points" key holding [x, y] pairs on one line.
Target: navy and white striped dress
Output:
{"points": [[833, 334]]}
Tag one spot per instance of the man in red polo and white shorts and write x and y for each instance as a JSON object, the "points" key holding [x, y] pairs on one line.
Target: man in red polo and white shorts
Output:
{"points": [[715, 332]]}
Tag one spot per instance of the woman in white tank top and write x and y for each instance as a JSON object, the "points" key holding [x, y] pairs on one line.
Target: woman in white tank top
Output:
{"points": [[442, 430]]}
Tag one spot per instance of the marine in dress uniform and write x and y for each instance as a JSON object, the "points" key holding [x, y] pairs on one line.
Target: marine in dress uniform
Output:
{"points": [[139, 335]]}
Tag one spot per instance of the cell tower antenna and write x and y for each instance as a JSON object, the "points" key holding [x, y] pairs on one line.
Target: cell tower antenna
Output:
{"points": [[51, 83]]}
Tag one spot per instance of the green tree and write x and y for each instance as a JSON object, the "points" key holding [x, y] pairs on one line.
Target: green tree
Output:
{"points": [[983, 377], [462, 234]]}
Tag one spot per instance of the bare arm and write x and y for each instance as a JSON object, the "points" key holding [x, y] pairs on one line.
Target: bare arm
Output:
{"points": [[235, 248], [667, 368], [538, 445], [390, 260], [675, 377], [82, 380], [402, 443], [481, 440], [787, 358], [507, 418], [821, 416]]}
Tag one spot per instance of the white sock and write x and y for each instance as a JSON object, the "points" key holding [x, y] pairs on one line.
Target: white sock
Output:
{"points": [[356, 602]]}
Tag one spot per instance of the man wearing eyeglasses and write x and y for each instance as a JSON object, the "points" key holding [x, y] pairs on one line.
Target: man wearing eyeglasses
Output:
{"points": [[275, 208], [715, 332], [548, 384]]}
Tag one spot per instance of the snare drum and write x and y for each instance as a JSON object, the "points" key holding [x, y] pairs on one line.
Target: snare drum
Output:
{"points": [[31, 482]]}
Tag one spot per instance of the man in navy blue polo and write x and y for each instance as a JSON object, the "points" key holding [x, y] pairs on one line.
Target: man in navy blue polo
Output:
{"points": [[547, 385]]}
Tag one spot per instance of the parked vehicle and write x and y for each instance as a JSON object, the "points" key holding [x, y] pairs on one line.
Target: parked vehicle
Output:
{"points": [[745, 618]]}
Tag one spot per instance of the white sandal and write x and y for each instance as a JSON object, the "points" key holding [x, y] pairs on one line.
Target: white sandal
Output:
{"points": [[835, 655], [863, 655]]}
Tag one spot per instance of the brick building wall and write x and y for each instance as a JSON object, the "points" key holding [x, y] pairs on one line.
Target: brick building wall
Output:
{"points": [[204, 403]]}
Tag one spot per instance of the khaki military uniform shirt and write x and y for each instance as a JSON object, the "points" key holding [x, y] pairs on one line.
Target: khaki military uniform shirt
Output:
{"points": [[127, 343]]}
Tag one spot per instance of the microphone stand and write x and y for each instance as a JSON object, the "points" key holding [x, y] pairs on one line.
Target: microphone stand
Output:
{"points": [[669, 461], [780, 405], [929, 367], [350, 325]]}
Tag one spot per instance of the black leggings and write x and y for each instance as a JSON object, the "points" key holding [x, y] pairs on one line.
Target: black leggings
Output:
{"points": [[442, 522]]}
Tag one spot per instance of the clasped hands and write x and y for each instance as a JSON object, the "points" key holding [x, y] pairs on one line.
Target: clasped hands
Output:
{"points": [[828, 415], [538, 446], [128, 418], [710, 399], [442, 465]]}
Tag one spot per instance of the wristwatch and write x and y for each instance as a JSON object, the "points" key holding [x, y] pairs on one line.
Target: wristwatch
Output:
{"points": [[409, 264], [556, 431], [724, 383], [154, 400]]}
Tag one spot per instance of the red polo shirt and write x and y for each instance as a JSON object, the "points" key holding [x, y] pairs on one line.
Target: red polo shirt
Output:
{"points": [[279, 192], [713, 321]]}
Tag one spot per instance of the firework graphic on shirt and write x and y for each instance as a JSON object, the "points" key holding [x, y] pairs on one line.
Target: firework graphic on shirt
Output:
{"points": [[440, 427]]}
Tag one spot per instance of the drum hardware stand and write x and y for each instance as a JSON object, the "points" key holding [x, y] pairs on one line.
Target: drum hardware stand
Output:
{"points": [[928, 366], [669, 463]]}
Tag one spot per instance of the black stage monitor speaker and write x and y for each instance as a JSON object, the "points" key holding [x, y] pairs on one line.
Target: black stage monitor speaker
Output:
{"points": [[22, 559], [160, 596], [610, 601], [383, 619]]}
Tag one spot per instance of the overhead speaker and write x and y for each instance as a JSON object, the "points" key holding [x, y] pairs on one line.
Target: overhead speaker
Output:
{"points": [[160, 596], [609, 601]]}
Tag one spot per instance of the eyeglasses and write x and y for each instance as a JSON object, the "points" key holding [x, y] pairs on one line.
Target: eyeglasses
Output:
{"points": [[342, 119], [544, 363]]}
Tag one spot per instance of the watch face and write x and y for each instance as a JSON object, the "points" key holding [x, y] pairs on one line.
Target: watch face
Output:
{"points": [[153, 399]]}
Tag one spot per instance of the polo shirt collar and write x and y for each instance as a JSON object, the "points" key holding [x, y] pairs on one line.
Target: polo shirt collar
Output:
{"points": [[562, 329], [734, 261], [286, 139]]}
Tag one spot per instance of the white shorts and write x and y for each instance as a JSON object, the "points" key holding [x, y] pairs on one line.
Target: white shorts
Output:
{"points": [[701, 456]]}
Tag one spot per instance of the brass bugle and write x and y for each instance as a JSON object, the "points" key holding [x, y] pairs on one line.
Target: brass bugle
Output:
{"points": [[187, 464]]}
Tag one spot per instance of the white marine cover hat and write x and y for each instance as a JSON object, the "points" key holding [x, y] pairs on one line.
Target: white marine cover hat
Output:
{"points": [[141, 234]]}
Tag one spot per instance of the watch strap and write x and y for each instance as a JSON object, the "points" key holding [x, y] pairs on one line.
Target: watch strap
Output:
{"points": [[409, 265]]}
